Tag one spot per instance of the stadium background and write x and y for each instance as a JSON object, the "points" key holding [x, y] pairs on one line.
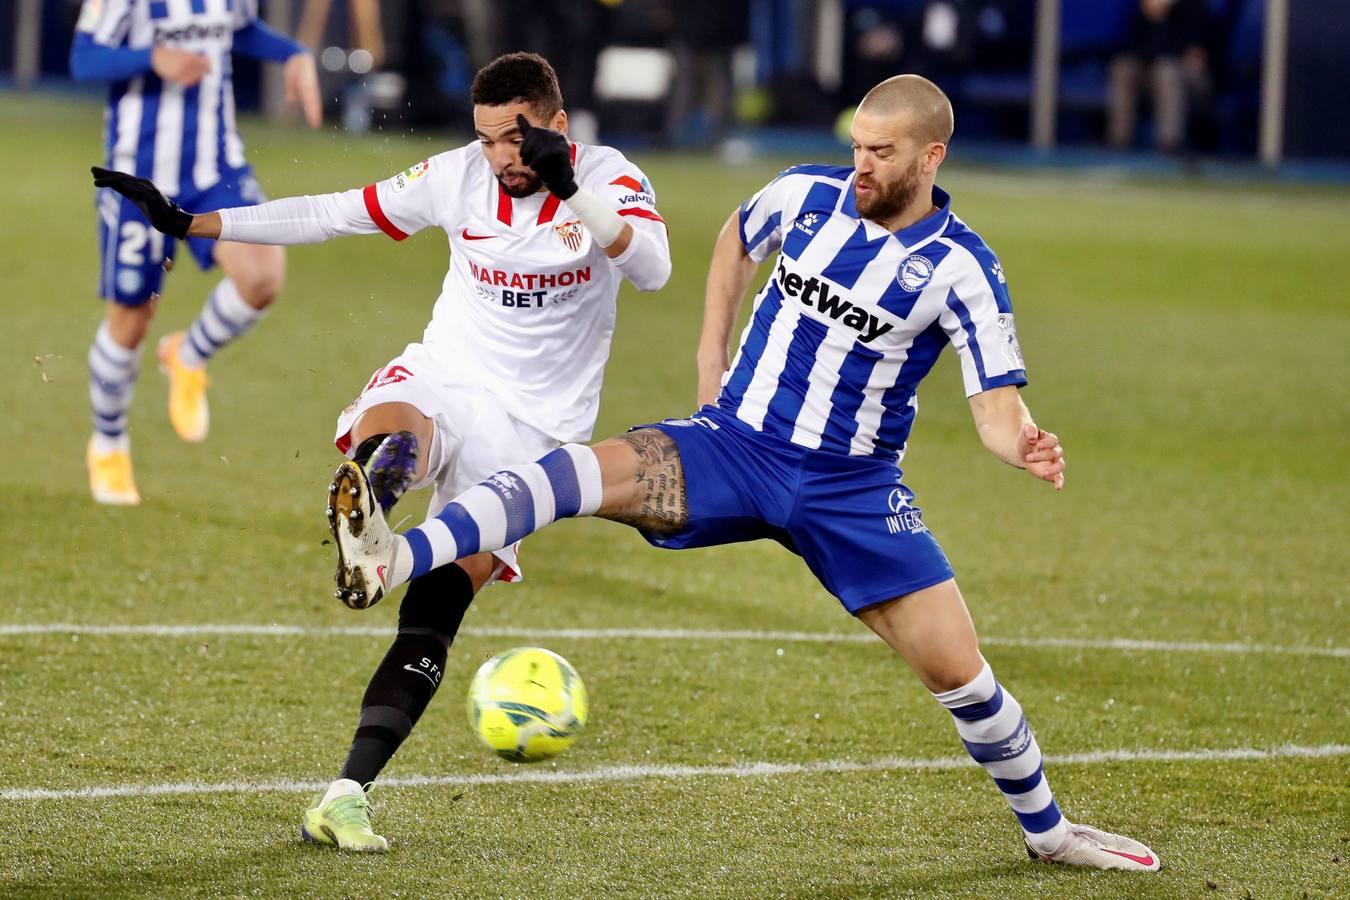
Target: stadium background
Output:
{"points": [[175, 679]]}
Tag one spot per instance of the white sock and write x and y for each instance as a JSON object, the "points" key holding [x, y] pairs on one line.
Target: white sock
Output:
{"points": [[996, 734], [224, 317], [113, 370], [503, 509]]}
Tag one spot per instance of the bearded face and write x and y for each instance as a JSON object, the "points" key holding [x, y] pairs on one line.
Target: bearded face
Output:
{"points": [[880, 200], [518, 181]]}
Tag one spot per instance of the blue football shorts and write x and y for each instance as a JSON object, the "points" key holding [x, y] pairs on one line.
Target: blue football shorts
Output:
{"points": [[849, 517], [132, 254]]}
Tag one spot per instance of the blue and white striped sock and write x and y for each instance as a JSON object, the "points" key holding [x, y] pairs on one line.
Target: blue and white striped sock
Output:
{"points": [[224, 317], [996, 734], [112, 383], [502, 509]]}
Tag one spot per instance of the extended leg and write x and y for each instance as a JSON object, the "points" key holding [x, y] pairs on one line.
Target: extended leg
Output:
{"points": [[931, 629], [636, 479]]}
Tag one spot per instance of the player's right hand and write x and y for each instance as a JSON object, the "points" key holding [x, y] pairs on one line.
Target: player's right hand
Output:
{"points": [[173, 64], [163, 213]]}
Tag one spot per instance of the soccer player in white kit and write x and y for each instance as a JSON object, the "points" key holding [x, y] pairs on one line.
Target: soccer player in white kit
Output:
{"points": [[541, 233]]}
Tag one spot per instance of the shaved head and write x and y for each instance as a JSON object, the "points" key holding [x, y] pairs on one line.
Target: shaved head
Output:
{"points": [[927, 110]]}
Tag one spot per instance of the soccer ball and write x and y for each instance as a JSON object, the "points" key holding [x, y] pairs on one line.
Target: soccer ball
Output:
{"points": [[527, 704]]}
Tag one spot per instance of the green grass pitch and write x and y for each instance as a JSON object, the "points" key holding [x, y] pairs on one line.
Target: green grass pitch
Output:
{"points": [[1190, 344]]}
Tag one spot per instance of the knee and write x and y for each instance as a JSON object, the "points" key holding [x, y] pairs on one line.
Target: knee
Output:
{"points": [[128, 325], [261, 284], [952, 673]]}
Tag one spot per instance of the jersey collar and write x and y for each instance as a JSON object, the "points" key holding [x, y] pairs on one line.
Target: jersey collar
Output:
{"points": [[922, 231], [506, 205]]}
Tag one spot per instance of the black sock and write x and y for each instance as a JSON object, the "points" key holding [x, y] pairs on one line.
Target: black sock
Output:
{"points": [[410, 672]]}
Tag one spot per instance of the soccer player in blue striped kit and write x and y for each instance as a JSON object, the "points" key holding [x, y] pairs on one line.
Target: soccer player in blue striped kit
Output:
{"points": [[170, 118], [799, 438]]}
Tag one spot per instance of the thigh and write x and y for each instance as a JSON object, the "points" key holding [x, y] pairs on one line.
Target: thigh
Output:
{"points": [[241, 262], [248, 265], [932, 630], [131, 253], [699, 482], [858, 529]]}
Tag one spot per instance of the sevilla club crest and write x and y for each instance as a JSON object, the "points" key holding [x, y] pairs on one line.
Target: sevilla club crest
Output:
{"points": [[570, 234]]}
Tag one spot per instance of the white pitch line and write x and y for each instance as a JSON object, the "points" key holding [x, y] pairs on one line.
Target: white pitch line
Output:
{"points": [[660, 634], [611, 774]]}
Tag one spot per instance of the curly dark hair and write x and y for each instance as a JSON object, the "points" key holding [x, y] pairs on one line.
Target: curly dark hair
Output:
{"points": [[518, 78]]}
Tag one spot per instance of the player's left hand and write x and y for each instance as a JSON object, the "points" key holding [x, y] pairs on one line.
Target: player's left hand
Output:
{"points": [[546, 152], [302, 86], [1041, 455]]}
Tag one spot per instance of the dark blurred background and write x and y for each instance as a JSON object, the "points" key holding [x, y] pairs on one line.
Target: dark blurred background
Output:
{"points": [[1181, 78]]}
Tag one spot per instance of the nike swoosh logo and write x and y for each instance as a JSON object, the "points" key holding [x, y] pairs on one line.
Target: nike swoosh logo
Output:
{"points": [[1142, 860], [464, 233], [411, 668]]}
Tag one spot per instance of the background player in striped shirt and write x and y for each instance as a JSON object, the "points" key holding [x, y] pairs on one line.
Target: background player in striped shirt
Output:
{"points": [[541, 232], [800, 437], [170, 118]]}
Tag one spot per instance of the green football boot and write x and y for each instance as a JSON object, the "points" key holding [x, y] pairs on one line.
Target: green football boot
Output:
{"points": [[342, 822]]}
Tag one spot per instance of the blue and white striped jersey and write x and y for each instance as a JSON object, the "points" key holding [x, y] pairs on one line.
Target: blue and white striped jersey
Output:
{"points": [[854, 316], [180, 137]]}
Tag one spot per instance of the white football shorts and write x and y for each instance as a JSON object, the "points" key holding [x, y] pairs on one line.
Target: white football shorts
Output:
{"points": [[474, 435]]}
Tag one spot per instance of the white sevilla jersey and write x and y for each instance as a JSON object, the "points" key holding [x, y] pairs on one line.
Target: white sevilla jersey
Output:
{"points": [[527, 308], [179, 137]]}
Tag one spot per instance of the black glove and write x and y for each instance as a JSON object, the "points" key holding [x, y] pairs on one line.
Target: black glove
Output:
{"points": [[163, 213], [546, 151]]}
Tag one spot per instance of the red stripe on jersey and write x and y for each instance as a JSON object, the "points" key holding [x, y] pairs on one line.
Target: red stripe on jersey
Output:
{"points": [[548, 210], [550, 207], [503, 205], [629, 182], [372, 198], [641, 214]]}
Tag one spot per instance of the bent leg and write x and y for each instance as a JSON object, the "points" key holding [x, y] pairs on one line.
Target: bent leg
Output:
{"points": [[254, 276], [384, 419]]}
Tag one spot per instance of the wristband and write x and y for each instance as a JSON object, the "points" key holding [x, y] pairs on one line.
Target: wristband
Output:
{"points": [[604, 223]]}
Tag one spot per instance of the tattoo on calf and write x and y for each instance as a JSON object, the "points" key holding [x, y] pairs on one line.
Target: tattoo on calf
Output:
{"points": [[660, 502]]}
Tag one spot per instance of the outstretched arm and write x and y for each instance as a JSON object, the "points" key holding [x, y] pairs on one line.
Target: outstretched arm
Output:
{"points": [[729, 275], [291, 220], [1007, 430]]}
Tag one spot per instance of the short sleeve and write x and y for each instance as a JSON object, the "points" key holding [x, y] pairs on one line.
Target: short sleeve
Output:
{"points": [[763, 215], [978, 320], [406, 203], [106, 21]]}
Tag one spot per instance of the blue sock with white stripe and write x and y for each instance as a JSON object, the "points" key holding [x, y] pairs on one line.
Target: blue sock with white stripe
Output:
{"points": [[112, 382], [502, 509], [224, 317], [996, 734]]}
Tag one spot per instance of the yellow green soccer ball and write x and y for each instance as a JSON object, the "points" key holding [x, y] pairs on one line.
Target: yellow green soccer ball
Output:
{"points": [[527, 704]]}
